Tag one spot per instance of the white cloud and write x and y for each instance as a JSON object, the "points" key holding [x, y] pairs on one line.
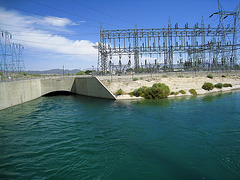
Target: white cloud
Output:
{"points": [[56, 21], [35, 33]]}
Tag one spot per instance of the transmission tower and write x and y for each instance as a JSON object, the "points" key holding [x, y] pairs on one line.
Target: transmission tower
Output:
{"points": [[6, 52], [223, 15], [11, 54]]}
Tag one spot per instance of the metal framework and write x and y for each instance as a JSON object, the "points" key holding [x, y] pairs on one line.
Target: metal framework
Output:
{"points": [[11, 54], [197, 47]]}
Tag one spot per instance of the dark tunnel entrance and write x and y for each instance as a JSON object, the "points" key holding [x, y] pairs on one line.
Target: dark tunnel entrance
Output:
{"points": [[59, 93]]}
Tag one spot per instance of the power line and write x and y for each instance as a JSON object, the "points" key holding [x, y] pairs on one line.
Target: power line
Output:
{"points": [[29, 12], [64, 54], [35, 42], [85, 33], [71, 13], [102, 12]]}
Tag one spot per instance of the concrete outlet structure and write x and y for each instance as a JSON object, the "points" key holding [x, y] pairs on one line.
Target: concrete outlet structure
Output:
{"points": [[17, 92]]}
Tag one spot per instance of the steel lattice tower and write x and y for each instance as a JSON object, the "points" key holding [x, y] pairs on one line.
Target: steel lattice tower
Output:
{"points": [[11, 54]]}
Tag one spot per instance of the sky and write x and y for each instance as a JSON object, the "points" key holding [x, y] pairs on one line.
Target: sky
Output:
{"points": [[57, 33]]}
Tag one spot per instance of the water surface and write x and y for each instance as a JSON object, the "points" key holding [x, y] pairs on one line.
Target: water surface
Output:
{"points": [[75, 137]]}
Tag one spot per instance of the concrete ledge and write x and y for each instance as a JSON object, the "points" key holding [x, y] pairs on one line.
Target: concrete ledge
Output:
{"points": [[17, 92], [91, 86]]}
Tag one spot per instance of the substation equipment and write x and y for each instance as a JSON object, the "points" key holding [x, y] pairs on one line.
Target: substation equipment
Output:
{"points": [[190, 48]]}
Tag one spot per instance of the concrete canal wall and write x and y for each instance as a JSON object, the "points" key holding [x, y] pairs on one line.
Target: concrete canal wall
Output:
{"points": [[17, 92]]}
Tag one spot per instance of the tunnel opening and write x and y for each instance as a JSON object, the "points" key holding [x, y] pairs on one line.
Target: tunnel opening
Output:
{"points": [[59, 93]]}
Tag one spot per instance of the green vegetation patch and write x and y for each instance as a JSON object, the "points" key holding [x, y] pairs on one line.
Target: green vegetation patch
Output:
{"points": [[174, 93], [210, 76], [218, 85], [119, 92], [208, 86], [182, 92], [135, 79], [227, 85], [164, 76], [157, 91], [193, 91], [80, 73]]}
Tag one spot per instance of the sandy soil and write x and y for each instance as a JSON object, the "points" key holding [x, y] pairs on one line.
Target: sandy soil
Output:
{"points": [[175, 81]]}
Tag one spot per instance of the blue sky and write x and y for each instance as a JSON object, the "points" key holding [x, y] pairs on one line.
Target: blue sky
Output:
{"points": [[63, 32]]}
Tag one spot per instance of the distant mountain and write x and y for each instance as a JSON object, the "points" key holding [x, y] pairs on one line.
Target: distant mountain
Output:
{"points": [[54, 71]]}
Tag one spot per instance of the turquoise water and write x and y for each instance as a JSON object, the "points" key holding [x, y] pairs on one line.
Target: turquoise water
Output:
{"points": [[75, 137]]}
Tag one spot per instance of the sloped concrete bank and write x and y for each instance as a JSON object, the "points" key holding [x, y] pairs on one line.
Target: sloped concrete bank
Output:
{"points": [[17, 92]]}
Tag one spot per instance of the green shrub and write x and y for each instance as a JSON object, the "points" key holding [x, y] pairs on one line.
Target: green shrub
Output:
{"points": [[88, 72], [227, 85], [208, 86], [210, 76], [138, 92], [135, 79], [182, 92], [174, 93], [80, 73], [164, 76], [188, 77], [157, 91], [180, 76], [119, 92], [224, 76], [193, 91], [141, 78], [218, 85], [36, 75]]}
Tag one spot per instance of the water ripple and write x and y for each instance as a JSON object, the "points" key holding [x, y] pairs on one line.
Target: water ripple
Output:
{"points": [[75, 137]]}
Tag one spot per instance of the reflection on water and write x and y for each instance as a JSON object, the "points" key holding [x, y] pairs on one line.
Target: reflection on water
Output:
{"points": [[76, 137], [161, 103], [211, 97]]}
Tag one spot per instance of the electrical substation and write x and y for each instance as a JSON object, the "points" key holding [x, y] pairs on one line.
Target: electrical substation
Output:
{"points": [[201, 47]]}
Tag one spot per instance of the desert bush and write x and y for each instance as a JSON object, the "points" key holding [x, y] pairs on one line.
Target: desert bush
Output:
{"points": [[135, 79], [218, 85], [210, 76], [180, 76], [164, 76], [174, 93], [182, 92], [138, 92], [224, 76], [157, 91], [208, 86], [227, 85], [80, 73], [119, 92], [193, 91]]}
